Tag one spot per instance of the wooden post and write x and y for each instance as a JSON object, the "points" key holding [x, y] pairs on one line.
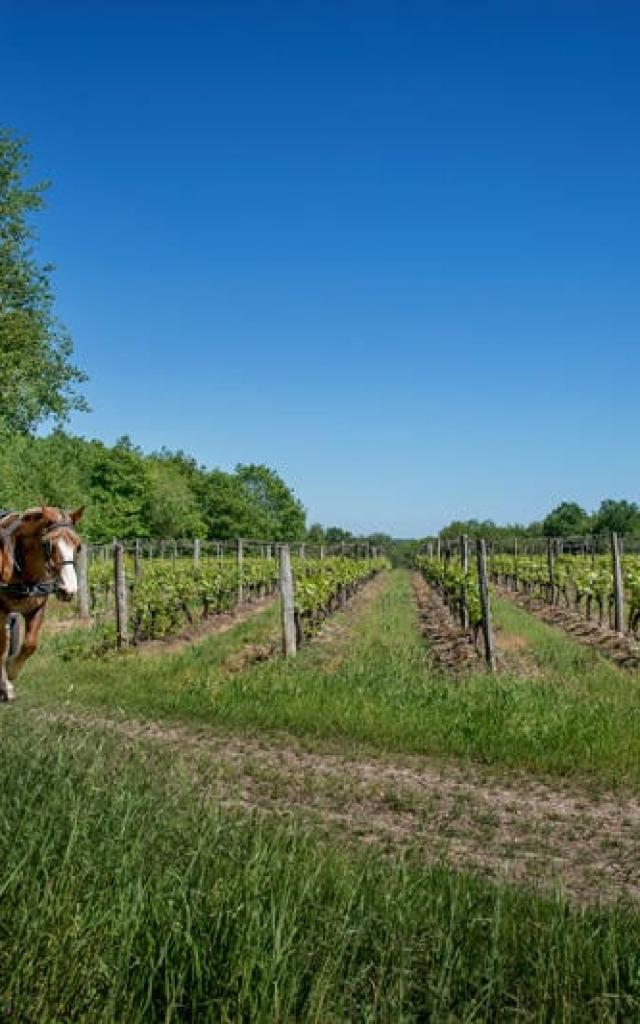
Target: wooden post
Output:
{"points": [[287, 602], [83, 582], [196, 552], [551, 556], [438, 548], [240, 567], [120, 590], [483, 585], [302, 551], [137, 556], [618, 585], [464, 563], [321, 552], [515, 563]]}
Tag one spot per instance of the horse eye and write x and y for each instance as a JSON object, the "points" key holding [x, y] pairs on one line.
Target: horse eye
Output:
{"points": [[79, 548]]}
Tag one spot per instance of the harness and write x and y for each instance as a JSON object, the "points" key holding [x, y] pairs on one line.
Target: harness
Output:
{"points": [[41, 588]]}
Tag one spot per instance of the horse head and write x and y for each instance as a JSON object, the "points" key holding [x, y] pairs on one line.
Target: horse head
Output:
{"points": [[46, 543]]}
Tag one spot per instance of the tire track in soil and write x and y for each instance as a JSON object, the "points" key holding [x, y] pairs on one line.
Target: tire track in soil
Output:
{"points": [[623, 650], [504, 826]]}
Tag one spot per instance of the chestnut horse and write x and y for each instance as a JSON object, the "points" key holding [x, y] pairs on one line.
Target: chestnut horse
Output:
{"points": [[37, 551]]}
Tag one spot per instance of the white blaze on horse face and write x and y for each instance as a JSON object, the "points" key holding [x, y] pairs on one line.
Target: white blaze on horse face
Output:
{"points": [[68, 578]]}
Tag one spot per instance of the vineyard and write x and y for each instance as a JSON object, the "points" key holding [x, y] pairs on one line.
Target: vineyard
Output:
{"points": [[158, 597], [603, 589]]}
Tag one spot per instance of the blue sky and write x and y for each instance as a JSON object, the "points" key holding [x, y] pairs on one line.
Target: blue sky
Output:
{"points": [[390, 249]]}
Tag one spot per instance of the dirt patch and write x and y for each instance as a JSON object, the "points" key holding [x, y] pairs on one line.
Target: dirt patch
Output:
{"points": [[450, 646], [622, 649], [508, 827]]}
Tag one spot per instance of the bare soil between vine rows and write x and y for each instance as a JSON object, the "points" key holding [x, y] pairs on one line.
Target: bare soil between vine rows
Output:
{"points": [[507, 827], [449, 645]]}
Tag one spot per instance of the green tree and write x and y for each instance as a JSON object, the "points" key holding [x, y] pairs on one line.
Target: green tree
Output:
{"points": [[280, 516], [567, 520], [37, 379], [118, 492], [617, 517], [227, 507], [335, 535], [172, 508], [315, 534]]}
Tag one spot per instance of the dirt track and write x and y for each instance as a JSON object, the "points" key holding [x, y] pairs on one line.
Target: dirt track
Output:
{"points": [[505, 826]]}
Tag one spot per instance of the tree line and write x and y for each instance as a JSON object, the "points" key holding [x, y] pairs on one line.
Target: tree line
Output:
{"points": [[568, 519]]}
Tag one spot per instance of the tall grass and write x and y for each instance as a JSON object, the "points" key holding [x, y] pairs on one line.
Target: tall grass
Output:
{"points": [[127, 897]]}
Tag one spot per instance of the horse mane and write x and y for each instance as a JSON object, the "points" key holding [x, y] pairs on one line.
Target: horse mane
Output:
{"points": [[7, 555]]}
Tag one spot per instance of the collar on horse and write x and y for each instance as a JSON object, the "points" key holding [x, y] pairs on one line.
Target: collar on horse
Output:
{"points": [[40, 588]]}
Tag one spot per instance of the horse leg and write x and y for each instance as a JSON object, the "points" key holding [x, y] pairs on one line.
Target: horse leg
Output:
{"points": [[33, 625], [6, 689]]}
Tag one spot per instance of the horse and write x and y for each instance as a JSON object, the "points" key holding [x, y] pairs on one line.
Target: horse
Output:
{"points": [[37, 549]]}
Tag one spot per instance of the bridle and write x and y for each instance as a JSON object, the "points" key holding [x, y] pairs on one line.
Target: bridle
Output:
{"points": [[44, 587]]}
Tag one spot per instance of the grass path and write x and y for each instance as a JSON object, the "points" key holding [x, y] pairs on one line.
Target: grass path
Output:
{"points": [[504, 826]]}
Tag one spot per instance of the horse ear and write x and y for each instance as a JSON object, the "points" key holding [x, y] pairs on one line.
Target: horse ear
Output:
{"points": [[76, 515]]}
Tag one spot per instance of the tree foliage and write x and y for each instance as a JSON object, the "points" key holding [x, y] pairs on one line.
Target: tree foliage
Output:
{"points": [[37, 379], [567, 520], [129, 494], [617, 516]]}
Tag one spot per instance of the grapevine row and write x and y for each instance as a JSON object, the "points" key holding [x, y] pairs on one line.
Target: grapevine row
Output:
{"points": [[581, 581]]}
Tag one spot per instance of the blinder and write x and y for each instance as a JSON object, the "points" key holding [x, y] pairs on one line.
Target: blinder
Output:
{"points": [[47, 546]]}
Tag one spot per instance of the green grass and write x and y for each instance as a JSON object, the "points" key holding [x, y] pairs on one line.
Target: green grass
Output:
{"points": [[580, 717], [125, 896]]}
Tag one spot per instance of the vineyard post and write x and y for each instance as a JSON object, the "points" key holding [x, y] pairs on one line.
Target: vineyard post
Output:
{"points": [[430, 549], [551, 557], [240, 567], [83, 583], [302, 550], [196, 551], [485, 605], [120, 589], [287, 602], [438, 549], [137, 568], [515, 563], [618, 585], [464, 563], [321, 552]]}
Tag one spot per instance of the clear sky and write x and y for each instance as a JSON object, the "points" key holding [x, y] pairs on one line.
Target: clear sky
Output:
{"points": [[390, 249]]}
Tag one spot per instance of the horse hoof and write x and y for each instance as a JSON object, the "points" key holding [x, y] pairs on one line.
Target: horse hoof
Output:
{"points": [[7, 693]]}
